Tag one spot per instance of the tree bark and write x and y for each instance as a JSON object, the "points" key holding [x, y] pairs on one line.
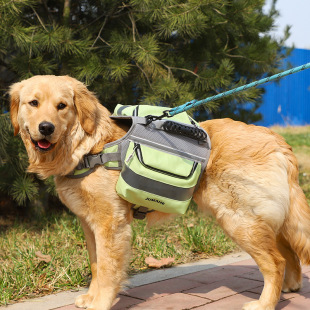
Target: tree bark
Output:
{"points": [[66, 12]]}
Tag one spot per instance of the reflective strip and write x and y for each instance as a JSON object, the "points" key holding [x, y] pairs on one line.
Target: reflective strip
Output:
{"points": [[167, 148], [154, 187]]}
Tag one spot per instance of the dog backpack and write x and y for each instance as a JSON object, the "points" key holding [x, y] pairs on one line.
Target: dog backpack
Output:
{"points": [[161, 160]]}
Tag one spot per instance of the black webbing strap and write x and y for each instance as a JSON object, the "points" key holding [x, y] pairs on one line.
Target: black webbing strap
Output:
{"points": [[140, 213]]}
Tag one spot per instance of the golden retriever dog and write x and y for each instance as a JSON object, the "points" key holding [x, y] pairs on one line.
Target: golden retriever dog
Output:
{"points": [[250, 185]]}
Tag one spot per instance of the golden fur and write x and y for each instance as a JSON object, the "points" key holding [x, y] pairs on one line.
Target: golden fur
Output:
{"points": [[250, 186]]}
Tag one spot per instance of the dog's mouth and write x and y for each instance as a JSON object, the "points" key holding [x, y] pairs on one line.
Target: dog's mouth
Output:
{"points": [[43, 145]]}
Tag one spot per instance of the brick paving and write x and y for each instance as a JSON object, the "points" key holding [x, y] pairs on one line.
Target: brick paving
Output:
{"points": [[220, 288]]}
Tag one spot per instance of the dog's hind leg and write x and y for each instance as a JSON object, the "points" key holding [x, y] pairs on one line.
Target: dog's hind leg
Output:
{"points": [[84, 301], [259, 240], [293, 276]]}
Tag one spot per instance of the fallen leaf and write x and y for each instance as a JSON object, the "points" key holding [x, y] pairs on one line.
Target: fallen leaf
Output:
{"points": [[155, 263], [43, 257]]}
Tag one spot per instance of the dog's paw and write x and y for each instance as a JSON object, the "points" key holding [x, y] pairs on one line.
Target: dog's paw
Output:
{"points": [[83, 301], [291, 285], [255, 305]]}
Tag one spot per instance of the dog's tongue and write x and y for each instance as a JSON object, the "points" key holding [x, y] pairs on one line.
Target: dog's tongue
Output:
{"points": [[44, 144]]}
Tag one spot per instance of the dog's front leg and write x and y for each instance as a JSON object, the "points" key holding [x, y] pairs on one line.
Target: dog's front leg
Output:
{"points": [[112, 240], [85, 300]]}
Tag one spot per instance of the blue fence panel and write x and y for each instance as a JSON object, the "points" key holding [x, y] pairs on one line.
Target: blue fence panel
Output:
{"points": [[287, 102]]}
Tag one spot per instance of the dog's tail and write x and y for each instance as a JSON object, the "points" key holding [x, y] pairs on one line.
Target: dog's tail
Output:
{"points": [[296, 228]]}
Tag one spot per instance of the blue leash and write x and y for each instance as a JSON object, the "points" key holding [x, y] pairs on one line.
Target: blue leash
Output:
{"points": [[195, 103]]}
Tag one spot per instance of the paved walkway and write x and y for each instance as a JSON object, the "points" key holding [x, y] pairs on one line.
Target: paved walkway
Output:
{"points": [[214, 284]]}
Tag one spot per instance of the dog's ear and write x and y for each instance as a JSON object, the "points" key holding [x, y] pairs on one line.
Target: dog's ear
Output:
{"points": [[86, 105], [14, 93]]}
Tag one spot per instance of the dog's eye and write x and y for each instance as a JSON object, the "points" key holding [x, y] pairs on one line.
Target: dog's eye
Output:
{"points": [[61, 106], [34, 103]]}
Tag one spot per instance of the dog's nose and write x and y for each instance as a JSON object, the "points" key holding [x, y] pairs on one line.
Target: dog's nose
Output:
{"points": [[46, 128]]}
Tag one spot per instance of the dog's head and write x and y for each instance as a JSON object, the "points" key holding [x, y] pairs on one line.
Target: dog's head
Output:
{"points": [[45, 108], [52, 114]]}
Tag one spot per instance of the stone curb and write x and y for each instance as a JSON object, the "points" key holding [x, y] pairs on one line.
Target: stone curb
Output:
{"points": [[66, 298]]}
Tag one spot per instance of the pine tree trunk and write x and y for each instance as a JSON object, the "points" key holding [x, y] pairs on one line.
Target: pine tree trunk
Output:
{"points": [[66, 12]]}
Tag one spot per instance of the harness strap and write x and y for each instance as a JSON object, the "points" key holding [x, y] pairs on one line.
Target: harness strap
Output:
{"points": [[92, 160], [88, 163], [140, 212]]}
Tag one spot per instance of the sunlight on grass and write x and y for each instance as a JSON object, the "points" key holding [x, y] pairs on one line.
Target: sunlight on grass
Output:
{"points": [[299, 139]]}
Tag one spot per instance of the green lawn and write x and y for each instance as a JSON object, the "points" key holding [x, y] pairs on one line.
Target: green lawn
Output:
{"points": [[23, 275], [187, 238]]}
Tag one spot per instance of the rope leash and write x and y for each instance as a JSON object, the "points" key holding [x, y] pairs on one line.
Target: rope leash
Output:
{"points": [[195, 103]]}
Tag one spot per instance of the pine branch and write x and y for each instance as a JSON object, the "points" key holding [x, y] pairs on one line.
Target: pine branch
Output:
{"points": [[99, 34], [24, 188], [39, 19]]}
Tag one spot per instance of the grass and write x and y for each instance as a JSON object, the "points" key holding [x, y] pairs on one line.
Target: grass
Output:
{"points": [[23, 275], [187, 238], [299, 139]]}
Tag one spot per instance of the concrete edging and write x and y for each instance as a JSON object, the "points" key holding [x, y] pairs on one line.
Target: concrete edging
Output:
{"points": [[66, 298]]}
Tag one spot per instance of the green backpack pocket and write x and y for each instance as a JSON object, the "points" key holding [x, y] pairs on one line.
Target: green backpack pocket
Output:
{"points": [[157, 180]]}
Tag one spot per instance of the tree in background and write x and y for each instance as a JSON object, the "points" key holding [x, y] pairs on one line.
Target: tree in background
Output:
{"points": [[161, 52], [142, 51]]}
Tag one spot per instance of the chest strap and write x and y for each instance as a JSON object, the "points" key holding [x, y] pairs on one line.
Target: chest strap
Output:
{"points": [[87, 165]]}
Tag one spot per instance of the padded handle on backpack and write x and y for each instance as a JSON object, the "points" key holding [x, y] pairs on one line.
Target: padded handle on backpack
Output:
{"points": [[188, 131]]}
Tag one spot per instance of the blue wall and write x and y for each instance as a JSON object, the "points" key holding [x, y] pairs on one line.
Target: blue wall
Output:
{"points": [[287, 102]]}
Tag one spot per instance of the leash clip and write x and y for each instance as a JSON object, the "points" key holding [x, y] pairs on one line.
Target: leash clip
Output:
{"points": [[152, 118]]}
